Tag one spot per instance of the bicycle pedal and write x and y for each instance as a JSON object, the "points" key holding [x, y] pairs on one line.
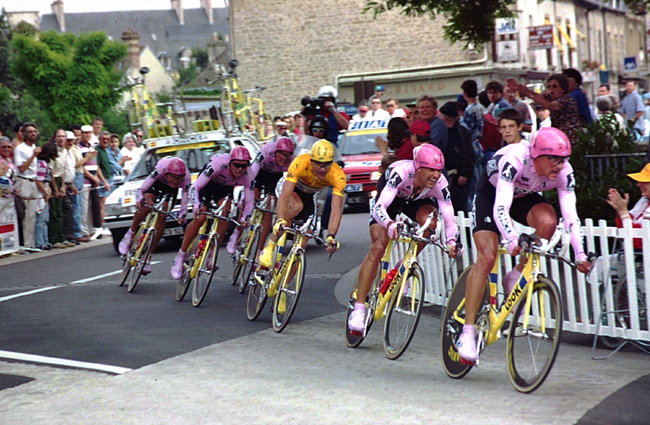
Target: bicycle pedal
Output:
{"points": [[467, 362]]}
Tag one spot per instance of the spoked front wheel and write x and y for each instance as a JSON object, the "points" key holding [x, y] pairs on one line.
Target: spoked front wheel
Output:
{"points": [[404, 313], [532, 346], [205, 272], [256, 295], [183, 284], [289, 291], [249, 260], [141, 260]]}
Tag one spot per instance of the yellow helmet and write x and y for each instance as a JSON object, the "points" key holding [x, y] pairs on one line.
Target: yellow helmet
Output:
{"points": [[322, 151]]}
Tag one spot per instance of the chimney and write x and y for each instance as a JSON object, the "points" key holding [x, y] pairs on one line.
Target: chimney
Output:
{"points": [[57, 10], [212, 48], [207, 6], [132, 59], [177, 6]]}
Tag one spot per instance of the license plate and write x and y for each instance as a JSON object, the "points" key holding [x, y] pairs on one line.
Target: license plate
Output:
{"points": [[174, 231], [353, 187], [129, 197]]}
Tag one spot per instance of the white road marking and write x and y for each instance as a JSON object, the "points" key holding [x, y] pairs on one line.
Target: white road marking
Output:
{"points": [[90, 279], [22, 294], [32, 358]]}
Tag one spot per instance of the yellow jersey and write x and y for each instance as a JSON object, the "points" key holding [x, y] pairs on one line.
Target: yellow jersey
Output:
{"points": [[300, 173]]}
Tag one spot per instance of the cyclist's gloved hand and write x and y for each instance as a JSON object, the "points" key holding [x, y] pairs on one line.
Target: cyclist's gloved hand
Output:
{"points": [[394, 228], [512, 245], [182, 219], [331, 243], [279, 226]]}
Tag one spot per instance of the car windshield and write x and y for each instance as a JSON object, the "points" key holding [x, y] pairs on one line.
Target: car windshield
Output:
{"points": [[356, 144], [195, 155]]}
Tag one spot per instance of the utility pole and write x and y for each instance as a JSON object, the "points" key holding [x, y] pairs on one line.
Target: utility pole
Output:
{"points": [[231, 29]]}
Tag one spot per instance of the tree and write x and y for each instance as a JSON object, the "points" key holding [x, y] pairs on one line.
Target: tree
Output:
{"points": [[71, 77], [200, 56]]}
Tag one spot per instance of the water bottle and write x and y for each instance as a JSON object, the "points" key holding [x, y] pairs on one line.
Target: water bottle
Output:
{"points": [[387, 280]]}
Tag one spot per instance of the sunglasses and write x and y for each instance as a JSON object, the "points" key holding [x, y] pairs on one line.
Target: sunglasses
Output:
{"points": [[322, 165], [556, 160], [175, 177], [318, 130], [240, 165], [283, 154]]}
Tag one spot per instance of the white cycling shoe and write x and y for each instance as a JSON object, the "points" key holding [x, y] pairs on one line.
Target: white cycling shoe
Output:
{"points": [[466, 344], [357, 320], [125, 243]]}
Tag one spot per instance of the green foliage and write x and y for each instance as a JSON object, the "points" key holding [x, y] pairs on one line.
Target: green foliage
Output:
{"points": [[471, 22], [116, 121], [72, 77], [200, 57], [186, 75]]}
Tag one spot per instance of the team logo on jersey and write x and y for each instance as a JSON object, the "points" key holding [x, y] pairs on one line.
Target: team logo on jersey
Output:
{"points": [[493, 165], [446, 194], [488, 219], [570, 182], [154, 173], [259, 157], [208, 171], [224, 166], [395, 180], [509, 172]]}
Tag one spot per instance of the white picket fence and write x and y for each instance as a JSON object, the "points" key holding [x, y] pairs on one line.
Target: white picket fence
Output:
{"points": [[588, 306]]}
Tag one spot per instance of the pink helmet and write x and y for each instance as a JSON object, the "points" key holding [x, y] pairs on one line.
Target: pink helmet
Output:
{"points": [[176, 166], [549, 141], [240, 153], [428, 156], [284, 144]]}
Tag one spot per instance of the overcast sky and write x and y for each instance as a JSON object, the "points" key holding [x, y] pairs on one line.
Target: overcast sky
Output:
{"points": [[78, 6]]}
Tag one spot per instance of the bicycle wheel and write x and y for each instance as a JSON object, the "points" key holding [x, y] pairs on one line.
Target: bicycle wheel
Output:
{"points": [[454, 365], [129, 261], [183, 284], [249, 260], [205, 272], [256, 295], [286, 299], [237, 261], [404, 313], [622, 304], [145, 251], [532, 349], [354, 339]]}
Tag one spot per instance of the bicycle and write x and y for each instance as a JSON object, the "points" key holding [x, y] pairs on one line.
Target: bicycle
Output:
{"points": [[533, 337], [201, 259], [140, 249], [399, 297], [284, 280], [244, 259]]}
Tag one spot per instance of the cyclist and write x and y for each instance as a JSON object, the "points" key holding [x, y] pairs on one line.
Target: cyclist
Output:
{"points": [[215, 182], [413, 187], [307, 175], [169, 175], [508, 189], [267, 169]]}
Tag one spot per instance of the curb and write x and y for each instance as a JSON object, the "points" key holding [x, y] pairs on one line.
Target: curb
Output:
{"points": [[15, 259]]}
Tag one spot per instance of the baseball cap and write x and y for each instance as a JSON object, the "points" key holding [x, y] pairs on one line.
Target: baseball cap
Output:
{"points": [[86, 128], [449, 110], [69, 135], [379, 88], [642, 176], [420, 128]]}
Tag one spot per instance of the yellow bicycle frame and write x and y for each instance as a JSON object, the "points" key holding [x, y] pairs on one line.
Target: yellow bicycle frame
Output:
{"points": [[150, 222], [202, 232]]}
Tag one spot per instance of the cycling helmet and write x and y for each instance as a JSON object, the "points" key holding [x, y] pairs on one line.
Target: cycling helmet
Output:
{"points": [[327, 91], [318, 122], [284, 144], [322, 151], [549, 141], [240, 153], [428, 156], [176, 166]]}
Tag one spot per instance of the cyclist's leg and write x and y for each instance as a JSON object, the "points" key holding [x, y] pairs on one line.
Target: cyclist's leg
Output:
{"points": [[138, 218], [294, 207], [191, 231], [421, 215], [223, 224]]}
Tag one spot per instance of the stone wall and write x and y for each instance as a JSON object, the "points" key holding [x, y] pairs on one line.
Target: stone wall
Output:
{"points": [[295, 46]]}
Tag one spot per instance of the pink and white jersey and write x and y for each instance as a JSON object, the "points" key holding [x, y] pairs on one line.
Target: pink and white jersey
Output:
{"points": [[218, 172], [399, 183], [512, 173], [159, 173], [265, 160]]}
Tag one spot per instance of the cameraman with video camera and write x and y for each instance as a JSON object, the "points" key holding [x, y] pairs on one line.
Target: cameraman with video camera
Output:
{"points": [[325, 106]]}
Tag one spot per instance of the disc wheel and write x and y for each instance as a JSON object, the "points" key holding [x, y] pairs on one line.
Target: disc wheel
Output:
{"points": [[256, 295], [141, 260], [205, 272], [404, 313], [183, 284], [249, 260], [454, 365], [622, 303], [532, 349], [286, 299]]}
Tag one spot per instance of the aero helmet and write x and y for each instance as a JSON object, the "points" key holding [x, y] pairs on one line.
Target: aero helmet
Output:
{"points": [[322, 151], [549, 141], [428, 156], [176, 166], [284, 144], [240, 153]]}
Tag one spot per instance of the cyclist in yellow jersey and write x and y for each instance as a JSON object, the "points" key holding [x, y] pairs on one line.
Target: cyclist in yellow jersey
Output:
{"points": [[307, 175]]}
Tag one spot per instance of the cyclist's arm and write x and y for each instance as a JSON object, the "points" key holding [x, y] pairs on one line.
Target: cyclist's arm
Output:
{"points": [[249, 199], [447, 211], [185, 194], [567, 198], [502, 202], [386, 197], [335, 215], [200, 183], [283, 200]]}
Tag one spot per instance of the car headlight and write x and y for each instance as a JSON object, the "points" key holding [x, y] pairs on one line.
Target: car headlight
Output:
{"points": [[374, 176], [117, 209]]}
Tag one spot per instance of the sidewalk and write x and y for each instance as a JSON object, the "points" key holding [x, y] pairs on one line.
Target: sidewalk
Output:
{"points": [[18, 258], [307, 375]]}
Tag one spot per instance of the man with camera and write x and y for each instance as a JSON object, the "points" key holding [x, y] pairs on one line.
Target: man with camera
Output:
{"points": [[325, 105]]}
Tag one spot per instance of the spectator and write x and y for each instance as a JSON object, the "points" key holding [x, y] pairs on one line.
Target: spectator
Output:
{"points": [[575, 80], [510, 125], [138, 139], [362, 112], [427, 107], [44, 186], [290, 123], [97, 125], [74, 153], [25, 160], [483, 99], [472, 120], [58, 169], [336, 121], [511, 97], [604, 90], [399, 139], [129, 150], [641, 210], [632, 108], [298, 122], [115, 157], [18, 135], [393, 109], [379, 91], [282, 128], [413, 113], [8, 174], [106, 170], [376, 111], [76, 129], [69, 190], [92, 179], [543, 116], [494, 90], [615, 121], [459, 158], [420, 133], [556, 98]]}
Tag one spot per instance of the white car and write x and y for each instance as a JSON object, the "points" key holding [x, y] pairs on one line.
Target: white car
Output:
{"points": [[195, 149]]}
